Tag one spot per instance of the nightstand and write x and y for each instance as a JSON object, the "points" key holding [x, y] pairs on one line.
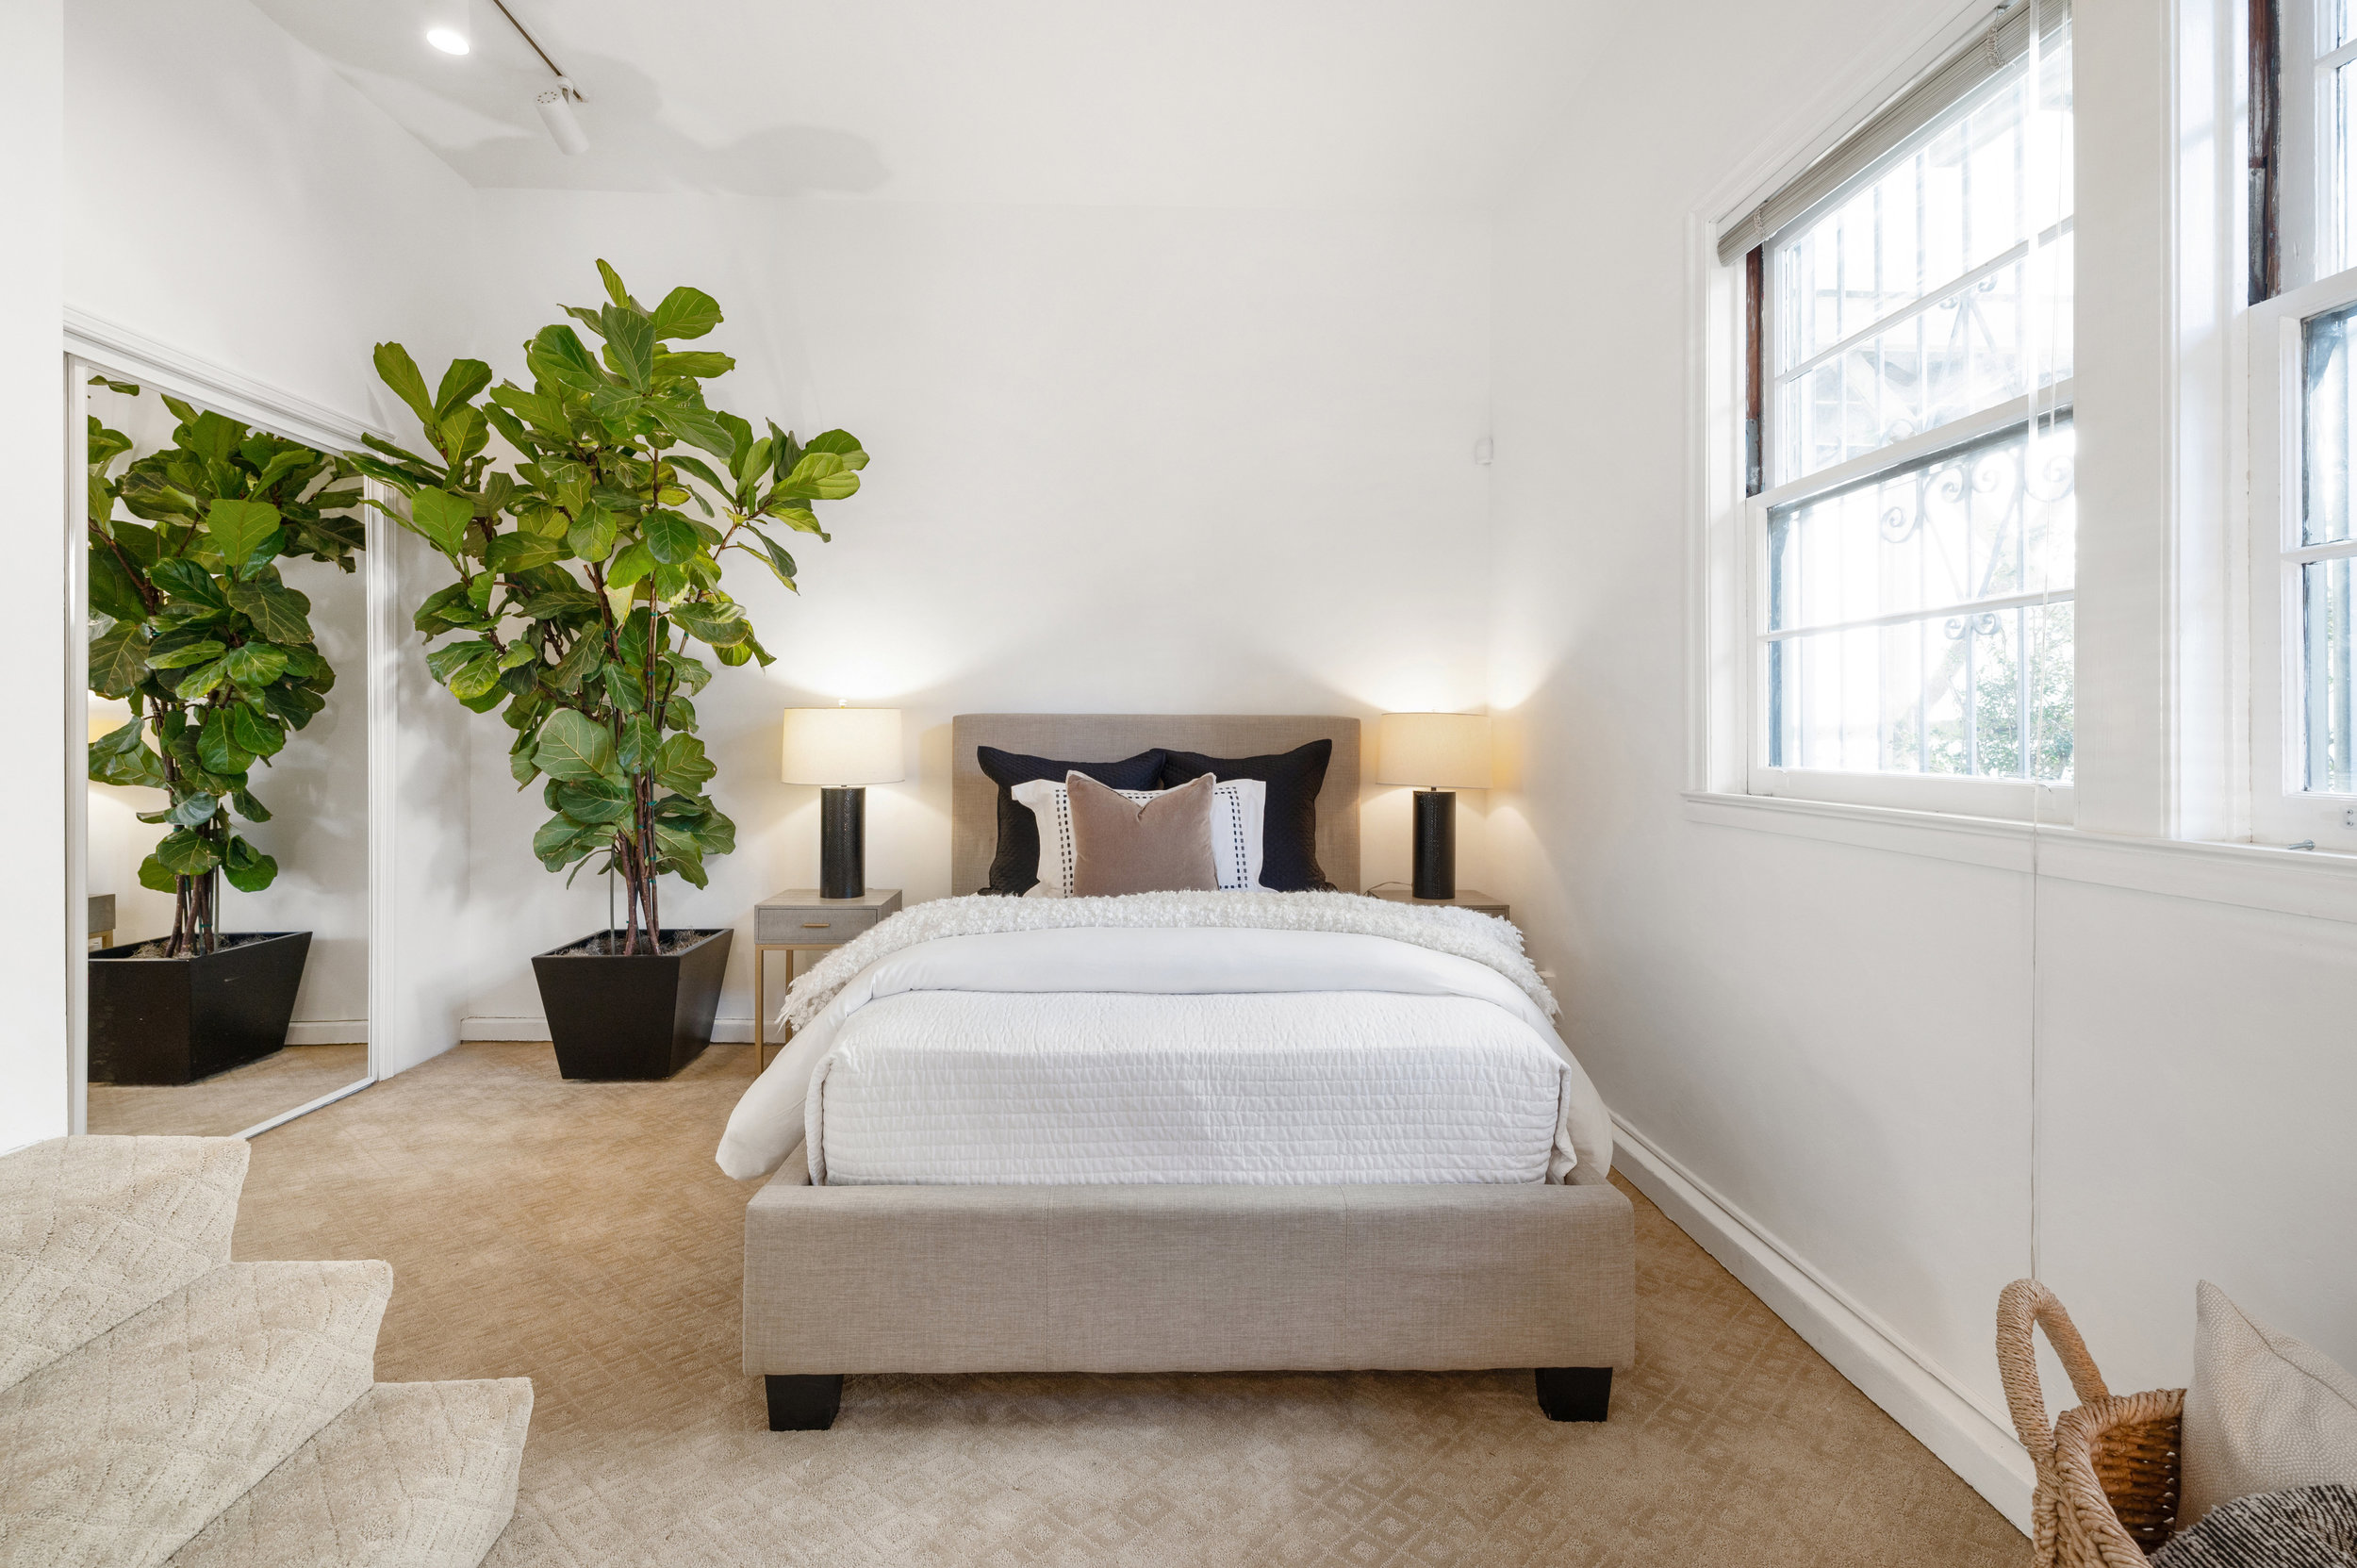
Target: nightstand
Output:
{"points": [[798, 920], [1467, 898]]}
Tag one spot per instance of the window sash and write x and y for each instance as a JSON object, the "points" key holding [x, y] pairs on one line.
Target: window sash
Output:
{"points": [[1938, 686], [2293, 798], [1813, 406], [2308, 156]]}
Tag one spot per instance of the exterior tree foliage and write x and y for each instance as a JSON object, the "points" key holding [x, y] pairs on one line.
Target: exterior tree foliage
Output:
{"points": [[192, 625], [587, 569]]}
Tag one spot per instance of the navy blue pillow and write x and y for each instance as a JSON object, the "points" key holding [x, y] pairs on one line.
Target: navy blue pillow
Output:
{"points": [[1015, 867], [1289, 832]]}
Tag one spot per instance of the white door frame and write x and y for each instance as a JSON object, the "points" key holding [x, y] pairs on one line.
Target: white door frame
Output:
{"points": [[94, 347]]}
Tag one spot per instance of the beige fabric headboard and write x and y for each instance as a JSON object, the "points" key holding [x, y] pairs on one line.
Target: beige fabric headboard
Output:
{"points": [[1110, 736]]}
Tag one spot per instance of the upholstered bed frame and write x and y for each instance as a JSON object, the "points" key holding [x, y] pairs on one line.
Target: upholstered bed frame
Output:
{"points": [[1181, 1279]]}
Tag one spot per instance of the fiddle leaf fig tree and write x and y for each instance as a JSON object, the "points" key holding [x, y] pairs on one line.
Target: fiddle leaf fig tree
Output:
{"points": [[193, 627], [587, 574]]}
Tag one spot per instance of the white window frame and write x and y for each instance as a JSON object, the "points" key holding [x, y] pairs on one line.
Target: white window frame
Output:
{"points": [[1745, 565], [2282, 808], [2164, 733]]}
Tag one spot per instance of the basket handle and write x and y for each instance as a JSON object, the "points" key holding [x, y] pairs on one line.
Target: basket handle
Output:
{"points": [[2024, 1305]]}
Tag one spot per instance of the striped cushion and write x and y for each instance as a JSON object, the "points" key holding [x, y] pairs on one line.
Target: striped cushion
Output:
{"points": [[2308, 1527]]}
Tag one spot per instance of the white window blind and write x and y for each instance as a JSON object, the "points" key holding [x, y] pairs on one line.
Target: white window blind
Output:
{"points": [[1956, 78]]}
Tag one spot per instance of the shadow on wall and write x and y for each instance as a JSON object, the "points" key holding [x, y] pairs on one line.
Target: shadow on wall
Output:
{"points": [[634, 146]]}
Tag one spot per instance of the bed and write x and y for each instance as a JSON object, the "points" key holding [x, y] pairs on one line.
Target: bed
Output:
{"points": [[970, 1216]]}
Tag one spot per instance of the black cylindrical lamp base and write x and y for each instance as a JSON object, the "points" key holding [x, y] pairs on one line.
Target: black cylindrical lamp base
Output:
{"points": [[1436, 843], [842, 843]]}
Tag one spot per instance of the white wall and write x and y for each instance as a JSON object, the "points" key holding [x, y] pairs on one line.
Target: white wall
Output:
{"points": [[1126, 459], [1280, 514], [1836, 1039], [290, 226], [33, 961]]}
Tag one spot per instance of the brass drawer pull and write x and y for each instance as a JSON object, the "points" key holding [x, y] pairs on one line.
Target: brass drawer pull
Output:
{"points": [[817, 925]]}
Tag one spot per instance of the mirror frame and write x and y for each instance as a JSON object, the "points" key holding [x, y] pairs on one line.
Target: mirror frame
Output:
{"points": [[93, 347]]}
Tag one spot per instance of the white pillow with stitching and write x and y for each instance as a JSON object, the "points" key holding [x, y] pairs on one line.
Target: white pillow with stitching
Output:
{"points": [[1239, 807], [2264, 1411]]}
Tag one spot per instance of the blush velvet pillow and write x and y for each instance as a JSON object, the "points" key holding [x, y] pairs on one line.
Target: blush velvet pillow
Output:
{"points": [[1016, 866], [1235, 832], [1289, 844], [1124, 846]]}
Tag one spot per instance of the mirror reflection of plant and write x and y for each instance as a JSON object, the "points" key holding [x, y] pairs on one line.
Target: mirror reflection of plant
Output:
{"points": [[193, 627], [581, 580]]}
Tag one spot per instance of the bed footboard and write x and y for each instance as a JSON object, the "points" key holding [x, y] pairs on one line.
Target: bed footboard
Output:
{"points": [[1191, 1278]]}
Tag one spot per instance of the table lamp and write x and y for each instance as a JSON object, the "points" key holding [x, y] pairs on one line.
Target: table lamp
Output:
{"points": [[840, 749], [1441, 753]]}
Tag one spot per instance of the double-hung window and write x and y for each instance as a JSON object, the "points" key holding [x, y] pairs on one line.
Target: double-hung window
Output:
{"points": [[1911, 515], [2304, 451]]}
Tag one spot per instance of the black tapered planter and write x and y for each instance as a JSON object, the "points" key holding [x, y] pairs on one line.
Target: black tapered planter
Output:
{"points": [[175, 1020], [646, 1017]]}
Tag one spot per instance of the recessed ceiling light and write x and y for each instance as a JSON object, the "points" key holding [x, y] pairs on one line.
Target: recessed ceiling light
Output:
{"points": [[447, 40]]}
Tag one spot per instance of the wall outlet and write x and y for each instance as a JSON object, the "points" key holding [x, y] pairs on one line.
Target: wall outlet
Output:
{"points": [[2348, 818]]}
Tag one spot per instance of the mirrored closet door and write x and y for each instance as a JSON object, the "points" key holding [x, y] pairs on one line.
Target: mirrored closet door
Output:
{"points": [[230, 679]]}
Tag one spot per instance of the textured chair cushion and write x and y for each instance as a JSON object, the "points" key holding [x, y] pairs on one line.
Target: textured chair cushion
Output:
{"points": [[93, 1231], [2263, 1413], [1158, 845]]}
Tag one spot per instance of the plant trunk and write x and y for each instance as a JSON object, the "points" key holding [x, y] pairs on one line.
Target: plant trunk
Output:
{"points": [[634, 856], [196, 924]]}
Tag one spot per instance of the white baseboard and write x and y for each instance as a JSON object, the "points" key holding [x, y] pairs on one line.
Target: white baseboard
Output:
{"points": [[1955, 1427], [328, 1032], [725, 1032]]}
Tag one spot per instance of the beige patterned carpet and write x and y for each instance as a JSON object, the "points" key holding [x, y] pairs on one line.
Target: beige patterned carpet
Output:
{"points": [[227, 1103], [580, 1235]]}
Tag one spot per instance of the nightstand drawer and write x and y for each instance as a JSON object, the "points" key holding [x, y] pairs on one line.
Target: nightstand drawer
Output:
{"points": [[811, 925]]}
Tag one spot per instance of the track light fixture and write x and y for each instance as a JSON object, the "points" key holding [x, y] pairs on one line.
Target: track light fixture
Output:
{"points": [[556, 113], [556, 103]]}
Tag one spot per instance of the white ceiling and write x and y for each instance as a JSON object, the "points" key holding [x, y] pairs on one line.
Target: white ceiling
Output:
{"points": [[1229, 103]]}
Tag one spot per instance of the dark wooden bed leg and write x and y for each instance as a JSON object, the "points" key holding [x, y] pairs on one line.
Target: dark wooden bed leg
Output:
{"points": [[806, 1402], [1565, 1393]]}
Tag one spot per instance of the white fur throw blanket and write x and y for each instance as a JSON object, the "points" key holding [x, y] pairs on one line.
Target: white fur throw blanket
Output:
{"points": [[1483, 938]]}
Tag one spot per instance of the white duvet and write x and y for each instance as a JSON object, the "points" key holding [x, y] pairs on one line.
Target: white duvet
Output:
{"points": [[1176, 1053]]}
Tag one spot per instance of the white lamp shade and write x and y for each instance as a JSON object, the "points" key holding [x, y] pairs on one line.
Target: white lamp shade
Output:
{"points": [[842, 746], [1437, 751], [106, 715]]}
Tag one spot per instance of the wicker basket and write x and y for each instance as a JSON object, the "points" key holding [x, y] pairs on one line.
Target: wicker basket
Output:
{"points": [[2107, 1470]]}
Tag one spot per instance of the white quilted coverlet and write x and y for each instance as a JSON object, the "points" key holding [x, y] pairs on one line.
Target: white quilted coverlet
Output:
{"points": [[946, 1088], [1187, 1054]]}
